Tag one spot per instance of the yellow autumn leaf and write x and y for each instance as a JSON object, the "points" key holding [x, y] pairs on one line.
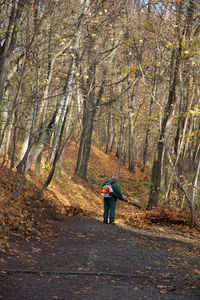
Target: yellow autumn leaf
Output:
{"points": [[193, 112], [169, 44]]}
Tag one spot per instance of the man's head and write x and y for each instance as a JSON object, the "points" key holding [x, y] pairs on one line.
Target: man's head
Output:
{"points": [[114, 177]]}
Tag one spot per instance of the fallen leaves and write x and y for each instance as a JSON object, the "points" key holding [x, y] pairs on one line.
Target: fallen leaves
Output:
{"points": [[76, 293], [87, 288], [172, 289], [107, 278], [164, 219], [19, 216], [162, 289]]}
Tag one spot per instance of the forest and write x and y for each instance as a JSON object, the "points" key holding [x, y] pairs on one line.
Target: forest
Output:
{"points": [[118, 75]]}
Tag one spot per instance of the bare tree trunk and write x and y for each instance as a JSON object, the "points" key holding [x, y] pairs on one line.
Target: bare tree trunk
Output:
{"points": [[131, 103], [8, 44], [13, 143], [85, 144], [156, 169], [107, 137], [120, 142], [146, 144], [88, 121], [67, 131], [6, 130]]}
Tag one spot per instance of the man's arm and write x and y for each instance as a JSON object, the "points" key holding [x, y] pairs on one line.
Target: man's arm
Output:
{"points": [[116, 189]]}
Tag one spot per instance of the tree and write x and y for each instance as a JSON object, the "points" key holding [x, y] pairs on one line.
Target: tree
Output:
{"points": [[174, 69], [91, 95], [60, 113], [9, 30]]}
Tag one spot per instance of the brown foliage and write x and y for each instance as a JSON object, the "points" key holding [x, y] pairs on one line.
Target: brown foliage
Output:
{"points": [[165, 215]]}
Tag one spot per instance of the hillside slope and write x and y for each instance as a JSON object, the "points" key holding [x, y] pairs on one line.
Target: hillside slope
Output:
{"points": [[25, 215]]}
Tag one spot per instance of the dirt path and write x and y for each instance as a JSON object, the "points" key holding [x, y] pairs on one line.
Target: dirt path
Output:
{"points": [[87, 259]]}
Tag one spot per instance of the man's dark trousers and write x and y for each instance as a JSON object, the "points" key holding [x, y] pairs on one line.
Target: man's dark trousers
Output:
{"points": [[109, 205]]}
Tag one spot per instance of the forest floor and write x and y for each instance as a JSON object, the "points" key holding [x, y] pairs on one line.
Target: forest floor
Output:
{"points": [[57, 247]]}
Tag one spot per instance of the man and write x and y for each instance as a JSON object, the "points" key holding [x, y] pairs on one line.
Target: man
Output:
{"points": [[110, 202]]}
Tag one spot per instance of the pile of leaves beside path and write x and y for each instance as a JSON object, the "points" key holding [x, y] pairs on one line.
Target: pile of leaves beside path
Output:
{"points": [[163, 216]]}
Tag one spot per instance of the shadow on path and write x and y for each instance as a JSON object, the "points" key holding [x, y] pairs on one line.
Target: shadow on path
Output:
{"points": [[87, 259]]}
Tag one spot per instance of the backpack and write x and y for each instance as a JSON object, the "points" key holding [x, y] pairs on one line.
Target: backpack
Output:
{"points": [[106, 191]]}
